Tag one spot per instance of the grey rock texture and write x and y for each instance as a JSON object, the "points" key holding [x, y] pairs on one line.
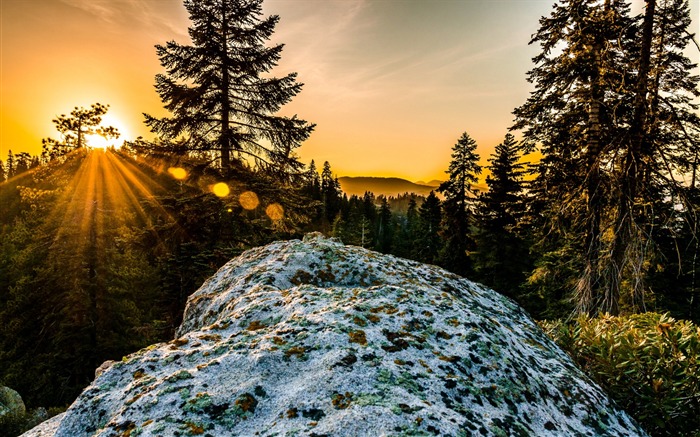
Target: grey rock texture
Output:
{"points": [[11, 404], [315, 338]]}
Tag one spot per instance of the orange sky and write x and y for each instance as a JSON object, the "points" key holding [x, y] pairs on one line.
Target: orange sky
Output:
{"points": [[391, 84]]}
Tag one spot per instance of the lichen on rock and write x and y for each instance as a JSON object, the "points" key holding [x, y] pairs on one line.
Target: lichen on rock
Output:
{"points": [[316, 338]]}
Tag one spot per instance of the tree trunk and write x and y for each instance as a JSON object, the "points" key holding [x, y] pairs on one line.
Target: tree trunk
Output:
{"points": [[588, 286], [625, 223], [225, 136]]}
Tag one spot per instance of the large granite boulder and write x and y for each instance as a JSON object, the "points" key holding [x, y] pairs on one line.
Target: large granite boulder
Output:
{"points": [[316, 338]]}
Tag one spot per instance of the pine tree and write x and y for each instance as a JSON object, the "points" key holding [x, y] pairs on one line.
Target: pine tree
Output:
{"points": [[429, 243], [501, 256], [74, 129], [2, 172], [10, 165], [23, 162], [660, 148], [406, 232], [613, 114], [458, 205], [220, 93], [385, 227], [313, 182], [369, 214], [311, 190], [572, 117], [330, 193]]}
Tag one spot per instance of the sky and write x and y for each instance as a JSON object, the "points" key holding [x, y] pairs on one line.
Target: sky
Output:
{"points": [[390, 84]]}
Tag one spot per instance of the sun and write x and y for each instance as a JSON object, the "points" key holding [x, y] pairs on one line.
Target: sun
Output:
{"points": [[97, 141]]}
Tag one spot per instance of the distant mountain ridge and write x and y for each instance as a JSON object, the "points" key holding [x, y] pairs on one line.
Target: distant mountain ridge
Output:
{"points": [[383, 186], [434, 183], [358, 185]]}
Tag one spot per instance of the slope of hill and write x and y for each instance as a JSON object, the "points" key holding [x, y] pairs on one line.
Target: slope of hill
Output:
{"points": [[382, 186], [391, 186], [433, 183]]}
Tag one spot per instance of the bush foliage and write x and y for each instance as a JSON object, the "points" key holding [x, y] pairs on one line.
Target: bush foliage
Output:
{"points": [[648, 363]]}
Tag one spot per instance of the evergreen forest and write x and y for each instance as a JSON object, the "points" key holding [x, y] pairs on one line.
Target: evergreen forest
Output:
{"points": [[589, 221]]}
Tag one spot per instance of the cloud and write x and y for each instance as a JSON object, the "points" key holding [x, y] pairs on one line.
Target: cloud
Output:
{"points": [[319, 38], [155, 16], [104, 10], [353, 52]]}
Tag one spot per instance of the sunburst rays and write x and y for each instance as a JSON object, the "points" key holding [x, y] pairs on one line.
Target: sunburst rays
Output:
{"points": [[106, 193], [110, 191]]}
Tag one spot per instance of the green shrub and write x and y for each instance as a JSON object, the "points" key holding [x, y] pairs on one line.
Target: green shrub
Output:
{"points": [[648, 363], [15, 424]]}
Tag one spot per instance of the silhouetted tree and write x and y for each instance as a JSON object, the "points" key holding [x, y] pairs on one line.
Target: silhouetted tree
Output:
{"points": [[369, 213], [613, 116], [385, 227], [10, 165], [501, 256], [313, 182], [23, 162], [222, 99], [74, 128], [458, 205], [429, 243], [331, 194]]}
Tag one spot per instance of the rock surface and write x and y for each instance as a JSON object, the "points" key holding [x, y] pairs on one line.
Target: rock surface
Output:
{"points": [[11, 404], [316, 338]]}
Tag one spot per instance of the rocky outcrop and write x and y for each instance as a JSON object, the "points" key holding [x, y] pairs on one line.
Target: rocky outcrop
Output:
{"points": [[316, 338], [11, 405]]}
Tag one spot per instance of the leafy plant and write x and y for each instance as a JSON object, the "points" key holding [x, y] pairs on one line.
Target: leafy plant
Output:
{"points": [[648, 363]]}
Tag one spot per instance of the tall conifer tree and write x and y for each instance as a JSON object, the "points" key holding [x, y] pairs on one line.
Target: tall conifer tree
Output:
{"points": [[331, 195], [458, 205], [613, 115], [660, 149], [429, 243], [569, 117], [501, 257], [219, 91]]}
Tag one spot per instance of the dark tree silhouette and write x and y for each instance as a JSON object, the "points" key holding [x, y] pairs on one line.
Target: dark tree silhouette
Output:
{"points": [[613, 116], [429, 242], [501, 256], [458, 205], [219, 91], [331, 195], [74, 128]]}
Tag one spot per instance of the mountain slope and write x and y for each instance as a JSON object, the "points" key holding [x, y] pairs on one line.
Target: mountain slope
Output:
{"points": [[382, 186]]}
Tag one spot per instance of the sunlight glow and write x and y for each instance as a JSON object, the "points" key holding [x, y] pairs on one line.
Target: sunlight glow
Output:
{"points": [[107, 192], [275, 211], [96, 141], [249, 200], [220, 189], [178, 173]]}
